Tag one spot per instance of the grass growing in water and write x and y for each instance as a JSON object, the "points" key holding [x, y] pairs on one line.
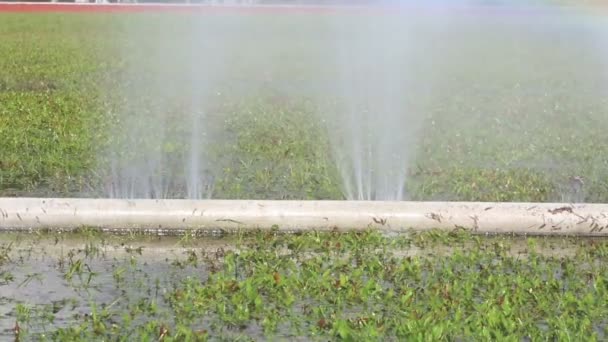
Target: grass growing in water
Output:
{"points": [[356, 286]]}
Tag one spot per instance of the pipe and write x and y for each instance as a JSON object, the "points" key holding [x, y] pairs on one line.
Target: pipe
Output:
{"points": [[177, 216]]}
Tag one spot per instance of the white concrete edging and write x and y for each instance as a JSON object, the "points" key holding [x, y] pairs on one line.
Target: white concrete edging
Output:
{"points": [[174, 216]]}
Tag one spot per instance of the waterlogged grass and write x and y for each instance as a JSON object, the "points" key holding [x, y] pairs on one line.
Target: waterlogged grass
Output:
{"points": [[501, 131], [319, 286]]}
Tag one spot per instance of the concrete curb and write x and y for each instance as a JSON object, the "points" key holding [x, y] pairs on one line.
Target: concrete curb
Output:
{"points": [[177, 216]]}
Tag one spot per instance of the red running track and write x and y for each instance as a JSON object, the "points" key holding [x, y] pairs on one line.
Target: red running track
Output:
{"points": [[32, 7]]}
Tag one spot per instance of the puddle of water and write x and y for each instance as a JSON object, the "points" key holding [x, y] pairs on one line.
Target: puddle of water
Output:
{"points": [[68, 278], [67, 275]]}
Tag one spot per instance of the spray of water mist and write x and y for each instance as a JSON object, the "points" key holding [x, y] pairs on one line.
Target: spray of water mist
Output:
{"points": [[487, 78], [161, 140], [380, 86], [519, 88]]}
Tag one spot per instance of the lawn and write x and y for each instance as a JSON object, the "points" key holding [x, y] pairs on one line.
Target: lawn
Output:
{"points": [[500, 108], [503, 109]]}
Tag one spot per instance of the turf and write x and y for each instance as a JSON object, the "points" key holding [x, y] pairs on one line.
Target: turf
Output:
{"points": [[509, 122]]}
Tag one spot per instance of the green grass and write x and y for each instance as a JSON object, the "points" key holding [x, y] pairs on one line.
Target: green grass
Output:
{"points": [[513, 132], [50, 118], [286, 161], [502, 131], [319, 286]]}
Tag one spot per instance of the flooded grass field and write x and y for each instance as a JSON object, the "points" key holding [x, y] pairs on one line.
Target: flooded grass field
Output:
{"points": [[318, 286], [500, 104]]}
